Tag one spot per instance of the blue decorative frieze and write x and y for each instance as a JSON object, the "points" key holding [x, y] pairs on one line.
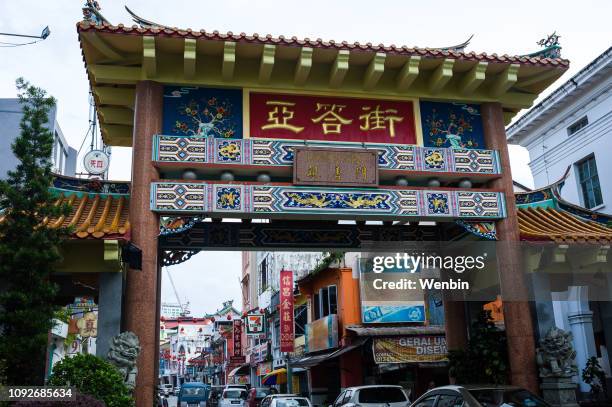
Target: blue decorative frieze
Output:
{"points": [[279, 153], [263, 200]]}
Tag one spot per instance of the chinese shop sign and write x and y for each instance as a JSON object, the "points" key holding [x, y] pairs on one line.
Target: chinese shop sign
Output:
{"points": [[96, 162], [302, 117], [335, 166], [255, 324], [286, 311], [237, 337], [410, 349]]}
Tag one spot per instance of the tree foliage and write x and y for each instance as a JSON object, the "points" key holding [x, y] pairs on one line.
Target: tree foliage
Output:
{"points": [[94, 376], [27, 250], [486, 358]]}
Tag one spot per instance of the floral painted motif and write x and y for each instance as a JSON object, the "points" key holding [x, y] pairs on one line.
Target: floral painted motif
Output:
{"points": [[229, 151], [228, 198], [437, 204], [434, 158], [455, 125], [203, 112]]}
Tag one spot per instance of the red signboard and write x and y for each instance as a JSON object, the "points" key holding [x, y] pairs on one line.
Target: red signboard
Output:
{"points": [[237, 337], [302, 117], [286, 311]]}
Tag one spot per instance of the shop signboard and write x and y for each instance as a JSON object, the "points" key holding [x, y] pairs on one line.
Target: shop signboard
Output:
{"points": [[383, 306], [255, 324], [237, 332], [410, 349], [264, 368], [237, 360], [322, 334], [286, 311]]}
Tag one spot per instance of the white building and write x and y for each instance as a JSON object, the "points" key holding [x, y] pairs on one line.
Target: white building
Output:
{"points": [[169, 310], [572, 128], [63, 156]]}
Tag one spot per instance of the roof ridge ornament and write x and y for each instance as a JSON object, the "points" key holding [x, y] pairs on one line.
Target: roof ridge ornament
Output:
{"points": [[143, 22], [91, 13], [552, 47], [459, 47]]}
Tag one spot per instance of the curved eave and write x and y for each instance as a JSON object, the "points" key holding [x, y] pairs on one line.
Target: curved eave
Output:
{"points": [[116, 57], [549, 224]]}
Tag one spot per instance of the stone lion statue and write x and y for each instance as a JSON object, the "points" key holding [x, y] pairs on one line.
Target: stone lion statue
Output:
{"points": [[556, 355], [123, 352]]}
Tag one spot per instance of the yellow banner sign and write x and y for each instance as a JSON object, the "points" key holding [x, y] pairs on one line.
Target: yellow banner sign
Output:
{"points": [[410, 349]]}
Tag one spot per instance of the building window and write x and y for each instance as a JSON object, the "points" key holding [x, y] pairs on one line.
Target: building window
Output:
{"points": [[589, 182], [575, 127], [301, 319], [263, 275], [326, 301]]}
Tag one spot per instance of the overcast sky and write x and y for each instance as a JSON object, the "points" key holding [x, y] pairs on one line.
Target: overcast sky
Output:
{"points": [[502, 27]]}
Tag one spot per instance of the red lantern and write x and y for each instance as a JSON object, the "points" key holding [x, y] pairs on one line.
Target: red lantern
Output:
{"points": [[182, 329], [162, 319], [261, 310], [212, 319], [229, 317], [200, 330]]}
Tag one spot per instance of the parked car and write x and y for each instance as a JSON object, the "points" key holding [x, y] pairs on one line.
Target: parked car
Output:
{"points": [[290, 402], [214, 396], [233, 397], [193, 394], [166, 389], [237, 386], [373, 396], [266, 401], [479, 396], [256, 394]]}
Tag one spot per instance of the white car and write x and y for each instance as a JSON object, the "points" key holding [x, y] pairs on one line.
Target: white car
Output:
{"points": [[290, 402], [233, 397], [373, 396]]}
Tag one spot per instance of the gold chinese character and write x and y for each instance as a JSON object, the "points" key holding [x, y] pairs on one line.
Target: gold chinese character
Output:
{"points": [[361, 171], [377, 119], [312, 171], [332, 121], [279, 117], [338, 173]]}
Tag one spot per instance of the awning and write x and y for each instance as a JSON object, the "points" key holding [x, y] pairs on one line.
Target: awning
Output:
{"points": [[361, 330], [278, 376], [240, 371], [315, 360]]}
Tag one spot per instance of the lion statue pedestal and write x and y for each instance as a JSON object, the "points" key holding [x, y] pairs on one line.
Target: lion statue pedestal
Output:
{"points": [[124, 350], [556, 361]]}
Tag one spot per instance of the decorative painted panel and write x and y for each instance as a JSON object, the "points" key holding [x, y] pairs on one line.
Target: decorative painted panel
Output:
{"points": [[213, 198], [331, 118], [456, 125], [205, 112], [266, 152]]}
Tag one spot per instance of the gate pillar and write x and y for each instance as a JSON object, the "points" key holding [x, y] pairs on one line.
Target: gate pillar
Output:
{"points": [[142, 286], [517, 314]]}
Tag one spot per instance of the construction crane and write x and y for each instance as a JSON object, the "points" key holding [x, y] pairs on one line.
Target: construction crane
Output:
{"points": [[184, 310]]}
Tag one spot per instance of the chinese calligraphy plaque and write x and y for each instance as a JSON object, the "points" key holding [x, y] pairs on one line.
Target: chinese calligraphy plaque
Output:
{"points": [[335, 167], [331, 118]]}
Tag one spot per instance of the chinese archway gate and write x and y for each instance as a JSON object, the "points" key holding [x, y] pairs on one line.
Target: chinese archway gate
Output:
{"points": [[213, 120]]}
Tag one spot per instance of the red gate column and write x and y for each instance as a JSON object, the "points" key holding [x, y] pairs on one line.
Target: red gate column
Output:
{"points": [[517, 314], [142, 291]]}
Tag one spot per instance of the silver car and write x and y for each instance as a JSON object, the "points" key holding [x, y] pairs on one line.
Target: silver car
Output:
{"points": [[373, 396], [479, 396]]}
